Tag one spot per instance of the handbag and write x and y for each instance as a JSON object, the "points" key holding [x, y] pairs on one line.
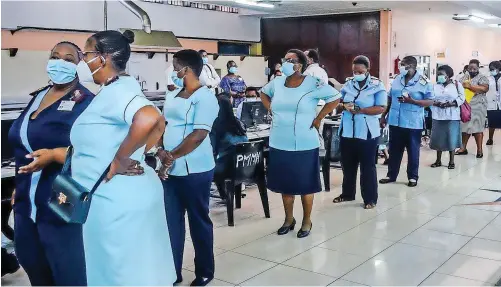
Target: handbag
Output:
{"points": [[69, 199], [464, 109]]}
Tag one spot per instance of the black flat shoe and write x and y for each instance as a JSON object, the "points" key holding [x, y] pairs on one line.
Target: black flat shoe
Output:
{"points": [[303, 233], [201, 281], [285, 229], [465, 152], [436, 164], [386, 180], [412, 183], [451, 166], [480, 155], [489, 142], [178, 280]]}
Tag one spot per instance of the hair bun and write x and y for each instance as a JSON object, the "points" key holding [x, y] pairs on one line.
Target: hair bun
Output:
{"points": [[129, 35]]}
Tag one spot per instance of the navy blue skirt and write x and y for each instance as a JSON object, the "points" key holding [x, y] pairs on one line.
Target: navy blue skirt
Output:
{"points": [[294, 172]]}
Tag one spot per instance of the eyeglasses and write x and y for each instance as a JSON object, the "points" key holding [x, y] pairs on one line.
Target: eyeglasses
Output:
{"points": [[85, 53], [289, 60]]}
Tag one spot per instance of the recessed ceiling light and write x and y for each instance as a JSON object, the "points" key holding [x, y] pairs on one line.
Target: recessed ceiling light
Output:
{"points": [[254, 3], [476, 19]]}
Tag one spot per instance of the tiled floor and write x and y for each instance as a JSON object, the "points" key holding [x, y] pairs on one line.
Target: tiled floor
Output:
{"points": [[415, 236]]}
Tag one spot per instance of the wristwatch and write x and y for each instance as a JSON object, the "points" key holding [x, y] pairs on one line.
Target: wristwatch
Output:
{"points": [[356, 109]]}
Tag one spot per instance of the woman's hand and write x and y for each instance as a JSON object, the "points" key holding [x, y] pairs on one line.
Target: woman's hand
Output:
{"points": [[467, 84], [124, 166], [13, 198], [167, 160], [316, 124], [383, 121], [41, 158]]}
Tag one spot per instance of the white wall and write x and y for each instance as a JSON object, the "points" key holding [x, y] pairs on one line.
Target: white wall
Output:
{"points": [[424, 34], [89, 15]]}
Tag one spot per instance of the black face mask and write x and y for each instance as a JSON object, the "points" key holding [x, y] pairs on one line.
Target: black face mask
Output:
{"points": [[473, 74]]}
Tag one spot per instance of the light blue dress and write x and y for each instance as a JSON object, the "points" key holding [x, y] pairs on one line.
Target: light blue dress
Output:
{"points": [[126, 237]]}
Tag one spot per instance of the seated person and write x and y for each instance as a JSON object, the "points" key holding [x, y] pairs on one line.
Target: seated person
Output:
{"points": [[227, 132], [251, 95]]}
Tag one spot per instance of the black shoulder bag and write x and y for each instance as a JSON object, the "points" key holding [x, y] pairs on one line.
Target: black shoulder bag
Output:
{"points": [[69, 199]]}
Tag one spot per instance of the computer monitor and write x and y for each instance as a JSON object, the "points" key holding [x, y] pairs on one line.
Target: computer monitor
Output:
{"points": [[254, 113]]}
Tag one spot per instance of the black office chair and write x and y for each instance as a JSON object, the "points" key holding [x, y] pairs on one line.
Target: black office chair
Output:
{"points": [[244, 163]]}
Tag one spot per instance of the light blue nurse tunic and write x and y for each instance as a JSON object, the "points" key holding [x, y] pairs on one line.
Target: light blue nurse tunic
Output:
{"points": [[360, 126], [406, 115], [125, 237], [294, 110], [293, 162]]}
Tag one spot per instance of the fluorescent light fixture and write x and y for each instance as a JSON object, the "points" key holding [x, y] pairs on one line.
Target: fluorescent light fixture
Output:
{"points": [[476, 19], [254, 3], [462, 16], [495, 25]]}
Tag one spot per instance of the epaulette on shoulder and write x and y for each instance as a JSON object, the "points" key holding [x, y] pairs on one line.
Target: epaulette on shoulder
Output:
{"points": [[33, 94]]}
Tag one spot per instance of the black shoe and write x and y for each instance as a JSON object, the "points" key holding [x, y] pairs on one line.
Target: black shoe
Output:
{"points": [[178, 280], [490, 142], [412, 183], [285, 229], [465, 152], [9, 263], [201, 281], [303, 233], [386, 180], [436, 164], [451, 166], [480, 155]]}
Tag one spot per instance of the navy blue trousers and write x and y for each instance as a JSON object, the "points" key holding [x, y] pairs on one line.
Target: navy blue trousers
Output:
{"points": [[190, 194], [355, 152], [401, 139], [52, 254]]}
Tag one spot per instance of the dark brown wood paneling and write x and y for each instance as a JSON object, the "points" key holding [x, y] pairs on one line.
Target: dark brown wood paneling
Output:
{"points": [[339, 38]]}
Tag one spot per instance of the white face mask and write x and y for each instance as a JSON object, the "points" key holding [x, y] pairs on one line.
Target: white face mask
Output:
{"points": [[84, 73]]}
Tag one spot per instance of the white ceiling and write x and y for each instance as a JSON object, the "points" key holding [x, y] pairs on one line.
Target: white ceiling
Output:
{"points": [[491, 10]]}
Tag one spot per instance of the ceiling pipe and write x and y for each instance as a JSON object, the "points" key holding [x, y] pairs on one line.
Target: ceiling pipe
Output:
{"points": [[140, 13]]}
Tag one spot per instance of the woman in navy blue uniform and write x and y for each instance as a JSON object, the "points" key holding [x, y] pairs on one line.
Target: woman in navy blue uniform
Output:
{"points": [[50, 251], [364, 100]]}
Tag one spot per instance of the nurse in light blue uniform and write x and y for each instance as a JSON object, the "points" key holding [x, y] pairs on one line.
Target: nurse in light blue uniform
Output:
{"points": [[410, 93], [293, 165], [126, 238], [190, 113], [364, 99]]}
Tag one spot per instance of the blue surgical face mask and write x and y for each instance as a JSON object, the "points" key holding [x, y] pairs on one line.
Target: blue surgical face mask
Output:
{"points": [[233, 70], [359, 77], [61, 71], [494, 73], [441, 79], [179, 82], [205, 60], [288, 69], [403, 71]]}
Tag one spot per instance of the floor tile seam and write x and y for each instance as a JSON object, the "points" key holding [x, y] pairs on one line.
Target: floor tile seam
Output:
{"points": [[452, 276], [455, 253]]}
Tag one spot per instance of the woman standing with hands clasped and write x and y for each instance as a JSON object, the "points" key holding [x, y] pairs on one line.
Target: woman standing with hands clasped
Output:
{"points": [[364, 99], [293, 167], [446, 128], [188, 164]]}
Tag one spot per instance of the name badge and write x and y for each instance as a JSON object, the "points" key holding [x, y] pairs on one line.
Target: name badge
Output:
{"points": [[66, 106]]}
